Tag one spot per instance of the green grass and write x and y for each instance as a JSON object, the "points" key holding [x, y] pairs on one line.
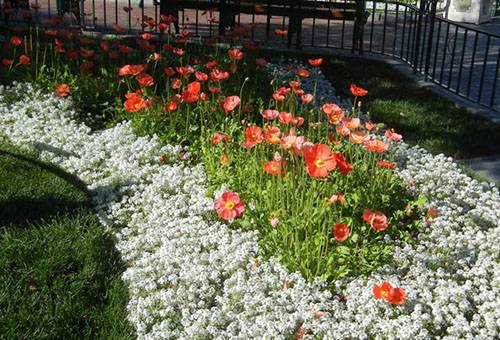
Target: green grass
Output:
{"points": [[59, 270], [422, 116]]}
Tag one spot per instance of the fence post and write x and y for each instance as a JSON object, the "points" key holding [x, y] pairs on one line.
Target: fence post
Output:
{"points": [[432, 20], [416, 50]]}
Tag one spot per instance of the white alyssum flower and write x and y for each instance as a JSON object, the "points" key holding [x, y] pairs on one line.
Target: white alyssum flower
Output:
{"points": [[191, 276]]}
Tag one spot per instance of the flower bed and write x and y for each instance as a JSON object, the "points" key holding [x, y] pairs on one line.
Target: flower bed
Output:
{"points": [[326, 233], [191, 276]]}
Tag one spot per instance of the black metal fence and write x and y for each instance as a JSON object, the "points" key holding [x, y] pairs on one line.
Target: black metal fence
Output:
{"points": [[459, 57]]}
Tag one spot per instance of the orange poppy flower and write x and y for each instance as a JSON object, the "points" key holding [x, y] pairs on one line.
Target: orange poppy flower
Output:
{"points": [[376, 146], [134, 102], [145, 79], [344, 167], [395, 296], [131, 70], [62, 90], [393, 135], [320, 160], [315, 62], [301, 72], [191, 94], [272, 134], [387, 165], [253, 136], [272, 167], [219, 138], [285, 117], [358, 91], [342, 130], [280, 32], [171, 106]]}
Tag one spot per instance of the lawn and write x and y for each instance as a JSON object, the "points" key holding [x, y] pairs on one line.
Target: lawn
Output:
{"points": [[59, 271], [422, 116]]}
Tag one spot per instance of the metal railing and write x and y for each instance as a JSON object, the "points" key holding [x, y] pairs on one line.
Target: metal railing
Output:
{"points": [[461, 58]]}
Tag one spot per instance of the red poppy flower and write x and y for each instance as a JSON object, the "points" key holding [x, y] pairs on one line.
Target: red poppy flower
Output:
{"points": [[315, 62], [280, 32], [211, 64], [376, 146], [134, 102], [393, 135], [229, 206], [24, 59], [377, 220], [333, 112], [176, 84], [337, 198], [343, 130], [320, 160], [146, 36], [285, 117], [358, 91], [270, 114], [131, 70], [201, 76], [342, 164], [183, 71], [371, 126], [272, 134], [387, 165], [395, 296], [7, 62], [231, 103], [169, 71], [301, 72], [219, 138], [341, 232], [191, 94], [306, 98], [15, 40], [171, 106], [353, 123], [62, 90], [145, 79], [432, 212], [178, 51], [253, 136], [236, 54], [125, 49], [217, 75]]}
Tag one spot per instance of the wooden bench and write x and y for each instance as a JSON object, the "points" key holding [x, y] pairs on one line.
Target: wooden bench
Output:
{"points": [[295, 10]]}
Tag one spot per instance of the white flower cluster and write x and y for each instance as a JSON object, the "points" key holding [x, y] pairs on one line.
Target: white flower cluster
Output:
{"points": [[191, 276]]}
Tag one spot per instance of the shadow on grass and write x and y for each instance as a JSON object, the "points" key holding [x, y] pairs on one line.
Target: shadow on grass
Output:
{"points": [[59, 268]]}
